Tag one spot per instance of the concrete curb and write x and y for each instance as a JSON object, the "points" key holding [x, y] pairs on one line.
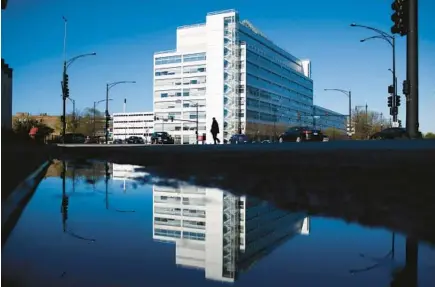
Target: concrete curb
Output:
{"points": [[18, 197]]}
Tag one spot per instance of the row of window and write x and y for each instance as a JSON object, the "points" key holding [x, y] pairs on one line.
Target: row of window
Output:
{"points": [[167, 233], [186, 127], [177, 70], [261, 116], [177, 200], [132, 115], [132, 128], [256, 68], [245, 36], [194, 92], [177, 105], [279, 89], [179, 82], [295, 101], [178, 59], [135, 121]]}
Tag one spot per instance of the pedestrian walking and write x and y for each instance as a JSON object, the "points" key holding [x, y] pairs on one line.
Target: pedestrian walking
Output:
{"points": [[215, 130]]}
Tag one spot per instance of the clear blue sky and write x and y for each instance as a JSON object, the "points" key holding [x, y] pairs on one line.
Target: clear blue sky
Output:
{"points": [[125, 34]]}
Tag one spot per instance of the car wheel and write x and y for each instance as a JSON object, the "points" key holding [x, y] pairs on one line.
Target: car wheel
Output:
{"points": [[298, 139], [281, 140]]}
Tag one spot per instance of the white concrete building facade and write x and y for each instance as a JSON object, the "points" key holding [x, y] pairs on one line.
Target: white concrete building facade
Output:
{"points": [[218, 232], [139, 124], [234, 74]]}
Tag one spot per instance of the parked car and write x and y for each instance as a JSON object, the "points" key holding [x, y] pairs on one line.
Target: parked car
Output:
{"points": [[91, 140], [161, 138], [74, 138], [238, 139], [118, 141], [301, 134], [135, 140], [392, 134]]}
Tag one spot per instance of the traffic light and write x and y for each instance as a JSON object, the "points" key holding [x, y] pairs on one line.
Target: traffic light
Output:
{"points": [[390, 101], [171, 118], [397, 101], [65, 85], [400, 17], [391, 89], [400, 123], [406, 87]]}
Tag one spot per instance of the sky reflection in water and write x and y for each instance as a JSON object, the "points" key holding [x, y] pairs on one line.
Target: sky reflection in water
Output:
{"points": [[135, 235]]}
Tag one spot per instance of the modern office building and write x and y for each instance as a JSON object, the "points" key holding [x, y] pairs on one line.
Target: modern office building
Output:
{"points": [[139, 124], [325, 118], [227, 69], [219, 232]]}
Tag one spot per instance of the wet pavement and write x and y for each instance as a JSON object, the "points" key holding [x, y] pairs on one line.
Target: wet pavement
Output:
{"points": [[98, 230]]}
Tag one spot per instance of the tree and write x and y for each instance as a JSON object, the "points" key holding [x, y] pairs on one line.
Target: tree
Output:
{"points": [[24, 124], [366, 123], [429, 136], [83, 122]]}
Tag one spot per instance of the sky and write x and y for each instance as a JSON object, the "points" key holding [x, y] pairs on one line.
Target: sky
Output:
{"points": [[125, 34]]}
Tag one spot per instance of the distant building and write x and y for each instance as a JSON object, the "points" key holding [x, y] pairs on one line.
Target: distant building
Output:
{"points": [[139, 124], [232, 72], [6, 95], [325, 118], [6, 92]]}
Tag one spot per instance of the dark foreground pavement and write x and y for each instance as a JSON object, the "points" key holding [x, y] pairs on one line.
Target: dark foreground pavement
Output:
{"points": [[376, 183]]}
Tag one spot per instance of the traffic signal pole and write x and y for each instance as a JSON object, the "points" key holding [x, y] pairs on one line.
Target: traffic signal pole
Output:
{"points": [[107, 113], [64, 86], [412, 69], [395, 107]]}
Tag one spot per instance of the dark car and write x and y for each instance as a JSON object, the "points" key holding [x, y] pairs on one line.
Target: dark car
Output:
{"points": [[118, 141], [301, 134], [74, 138], [135, 140], [91, 140], [161, 138], [391, 134], [238, 139]]}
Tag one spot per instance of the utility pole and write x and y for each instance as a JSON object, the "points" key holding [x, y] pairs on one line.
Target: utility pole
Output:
{"points": [[93, 130], [412, 69]]}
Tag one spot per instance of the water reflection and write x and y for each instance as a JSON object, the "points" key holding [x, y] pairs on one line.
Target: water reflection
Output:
{"points": [[113, 230], [219, 232]]}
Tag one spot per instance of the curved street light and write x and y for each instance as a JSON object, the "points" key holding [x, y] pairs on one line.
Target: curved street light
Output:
{"points": [[349, 95], [108, 87], [95, 107], [390, 39]]}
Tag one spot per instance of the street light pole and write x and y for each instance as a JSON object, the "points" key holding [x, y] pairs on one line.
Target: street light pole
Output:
{"points": [[64, 83], [94, 112], [392, 41], [108, 87], [349, 95], [73, 113]]}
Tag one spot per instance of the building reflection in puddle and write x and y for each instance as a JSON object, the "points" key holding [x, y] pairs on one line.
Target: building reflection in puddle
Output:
{"points": [[219, 232]]}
